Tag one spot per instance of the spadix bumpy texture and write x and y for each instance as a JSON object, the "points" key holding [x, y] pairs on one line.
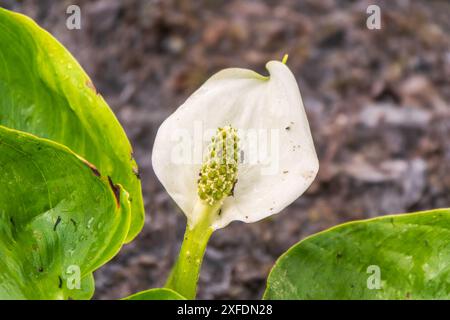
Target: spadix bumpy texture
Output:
{"points": [[219, 170], [248, 102]]}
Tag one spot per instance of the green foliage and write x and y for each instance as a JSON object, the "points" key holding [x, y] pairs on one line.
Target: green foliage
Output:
{"points": [[56, 213], [44, 91], [156, 294], [412, 252]]}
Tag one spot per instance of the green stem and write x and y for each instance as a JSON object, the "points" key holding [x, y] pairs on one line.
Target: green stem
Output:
{"points": [[184, 275]]}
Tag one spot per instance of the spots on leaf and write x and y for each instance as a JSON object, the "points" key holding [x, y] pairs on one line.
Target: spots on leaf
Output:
{"points": [[116, 191], [91, 86], [136, 172], [58, 220], [95, 171], [74, 223], [60, 282], [92, 167]]}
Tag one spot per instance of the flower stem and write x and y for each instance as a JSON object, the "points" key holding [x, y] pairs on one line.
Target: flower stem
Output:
{"points": [[185, 273]]}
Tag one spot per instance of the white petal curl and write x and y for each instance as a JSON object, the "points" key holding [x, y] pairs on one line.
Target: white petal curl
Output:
{"points": [[276, 170]]}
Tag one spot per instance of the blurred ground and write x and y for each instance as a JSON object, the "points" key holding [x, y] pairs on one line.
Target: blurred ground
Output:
{"points": [[378, 102]]}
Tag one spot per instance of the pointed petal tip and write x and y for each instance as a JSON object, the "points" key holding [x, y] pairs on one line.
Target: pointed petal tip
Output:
{"points": [[278, 69]]}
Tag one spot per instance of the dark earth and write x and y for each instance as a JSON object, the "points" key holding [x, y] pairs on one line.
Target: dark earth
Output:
{"points": [[378, 103]]}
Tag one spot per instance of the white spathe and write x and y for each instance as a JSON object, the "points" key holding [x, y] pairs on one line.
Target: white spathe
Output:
{"points": [[270, 108]]}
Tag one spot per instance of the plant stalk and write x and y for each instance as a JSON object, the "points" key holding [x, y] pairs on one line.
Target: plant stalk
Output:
{"points": [[185, 273]]}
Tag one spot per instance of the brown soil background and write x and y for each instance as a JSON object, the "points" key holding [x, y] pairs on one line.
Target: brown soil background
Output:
{"points": [[377, 101]]}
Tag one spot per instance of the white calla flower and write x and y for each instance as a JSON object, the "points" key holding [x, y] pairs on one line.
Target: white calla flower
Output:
{"points": [[276, 160]]}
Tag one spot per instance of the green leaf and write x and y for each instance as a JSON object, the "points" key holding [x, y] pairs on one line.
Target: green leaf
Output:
{"points": [[44, 91], [412, 252], [156, 294], [58, 216]]}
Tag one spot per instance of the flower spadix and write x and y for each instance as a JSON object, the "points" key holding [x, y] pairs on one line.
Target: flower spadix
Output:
{"points": [[241, 144], [218, 174]]}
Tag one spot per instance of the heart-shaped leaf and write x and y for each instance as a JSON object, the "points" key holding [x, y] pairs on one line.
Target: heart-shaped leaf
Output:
{"points": [[44, 91], [59, 219], [392, 257], [156, 294]]}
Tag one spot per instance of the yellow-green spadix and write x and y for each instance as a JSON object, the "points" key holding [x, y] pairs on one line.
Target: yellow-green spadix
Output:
{"points": [[241, 142]]}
